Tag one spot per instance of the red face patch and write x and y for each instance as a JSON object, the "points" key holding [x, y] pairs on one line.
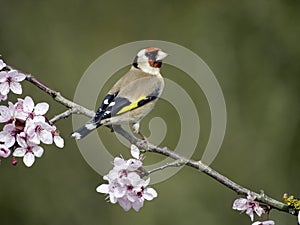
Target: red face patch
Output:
{"points": [[151, 49], [155, 64]]}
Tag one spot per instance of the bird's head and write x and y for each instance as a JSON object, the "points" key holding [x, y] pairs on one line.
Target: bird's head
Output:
{"points": [[149, 60]]}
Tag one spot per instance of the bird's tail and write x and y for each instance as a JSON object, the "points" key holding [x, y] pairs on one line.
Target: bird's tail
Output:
{"points": [[85, 130]]}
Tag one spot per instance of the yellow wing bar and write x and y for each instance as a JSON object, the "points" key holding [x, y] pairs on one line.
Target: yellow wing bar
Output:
{"points": [[131, 106]]}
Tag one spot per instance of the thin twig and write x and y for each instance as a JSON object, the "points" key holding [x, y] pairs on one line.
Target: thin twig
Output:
{"points": [[62, 115], [78, 109], [176, 163]]}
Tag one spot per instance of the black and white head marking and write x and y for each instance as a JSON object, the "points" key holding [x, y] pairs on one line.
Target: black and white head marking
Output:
{"points": [[149, 60]]}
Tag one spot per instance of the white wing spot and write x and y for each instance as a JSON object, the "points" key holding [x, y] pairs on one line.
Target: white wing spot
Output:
{"points": [[90, 126], [105, 101], [76, 135], [112, 103]]}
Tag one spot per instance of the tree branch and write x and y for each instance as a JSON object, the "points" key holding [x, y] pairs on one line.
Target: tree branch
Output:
{"points": [[62, 115], [76, 109], [148, 147], [176, 163]]}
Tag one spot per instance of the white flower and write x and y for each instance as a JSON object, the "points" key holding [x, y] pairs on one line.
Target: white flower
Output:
{"points": [[267, 222], [38, 131], [26, 108], [2, 64], [126, 186], [8, 135], [28, 152], [9, 80], [299, 217], [249, 206], [4, 151]]}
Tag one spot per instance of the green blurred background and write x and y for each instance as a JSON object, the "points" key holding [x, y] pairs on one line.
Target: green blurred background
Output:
{"points": [[251, 46]]}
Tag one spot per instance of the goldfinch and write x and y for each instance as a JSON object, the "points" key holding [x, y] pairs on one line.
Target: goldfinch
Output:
{"points": [[132, 97]]}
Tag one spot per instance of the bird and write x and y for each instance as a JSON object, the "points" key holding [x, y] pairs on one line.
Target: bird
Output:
{"points": [[132, 97]]}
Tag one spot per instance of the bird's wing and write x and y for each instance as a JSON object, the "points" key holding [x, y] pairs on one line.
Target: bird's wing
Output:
{"points": [[109, 98], [119, 105]]}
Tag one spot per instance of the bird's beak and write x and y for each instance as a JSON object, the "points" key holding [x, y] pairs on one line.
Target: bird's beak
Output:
{"points": [[161, 55]]}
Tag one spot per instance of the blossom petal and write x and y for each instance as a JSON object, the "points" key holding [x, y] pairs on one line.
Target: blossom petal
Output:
{"points": [[2, 64], [146, 183], [135, 152], [3, 76], [30, 128], [250, 213], [38, 151], [134, 178], [41, 108], [28, 104], [299, 217], [103, 188], [46, 137], [4, 114], [34, 139], [18, 77], [259, 210], [120, 192], [119, 161], [28, 159], [7, 135], [240, 204], [9, 141], [16, 88], [4, 88], [138, 204], [21, 141], [112, 198], [19, 152], [125, 204], [149, 194], [59, 141], [19, 114]]}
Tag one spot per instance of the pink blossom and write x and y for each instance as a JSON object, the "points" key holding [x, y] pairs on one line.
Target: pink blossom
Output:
{"points": [[249, 206], [126, 186], [38, 130], [9, 80], [26, 127], [27, 151], [27, 109]]}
